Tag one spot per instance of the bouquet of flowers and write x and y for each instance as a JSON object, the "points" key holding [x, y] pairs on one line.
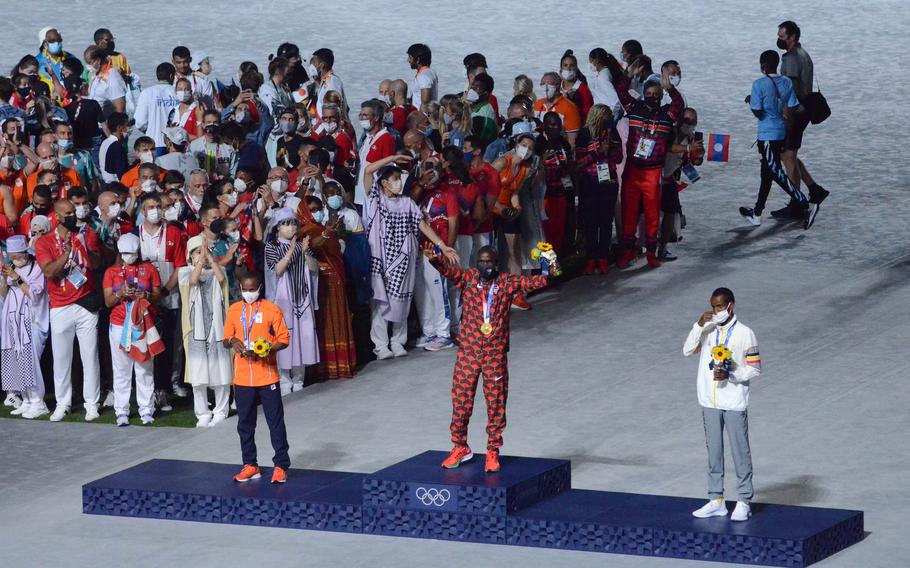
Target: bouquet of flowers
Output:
{"points": [[262, 348], [722, 357], [545, 254]]}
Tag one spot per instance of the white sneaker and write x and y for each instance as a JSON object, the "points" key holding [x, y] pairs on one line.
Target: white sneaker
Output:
{"points": [[147, 420], [123, 420], [12, 400], [295, 387], [36, 410], [108, 400], [91, 412], [161, 402], [424, 340], [439, 344], [399, 350], [203, 421], [217, 418], [384, 353], [179, 390], [234, 404], [713, 508], [59, 413], [741, 512], [21, 409]]}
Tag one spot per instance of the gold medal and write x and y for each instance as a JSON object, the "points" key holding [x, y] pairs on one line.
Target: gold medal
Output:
{"points": [[486, 328]]}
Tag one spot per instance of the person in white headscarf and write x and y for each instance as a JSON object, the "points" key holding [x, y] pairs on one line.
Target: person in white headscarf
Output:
{"points": [[204, 302]]}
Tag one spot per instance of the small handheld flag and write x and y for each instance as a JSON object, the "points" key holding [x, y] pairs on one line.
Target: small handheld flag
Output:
{"points": [[718, 149]]}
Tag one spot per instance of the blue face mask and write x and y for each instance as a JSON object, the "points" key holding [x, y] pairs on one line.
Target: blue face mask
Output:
{"points": [[65, 144], [468, 157], [335, 202], [319, 216], [427, 131], [55, 47]]}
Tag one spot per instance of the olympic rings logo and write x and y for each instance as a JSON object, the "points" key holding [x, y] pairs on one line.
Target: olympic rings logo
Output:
{"points": [[432, 496]]}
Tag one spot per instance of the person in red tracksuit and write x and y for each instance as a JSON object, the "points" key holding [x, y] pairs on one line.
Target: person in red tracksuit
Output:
{"points": [[484, 346], [650, 127]]}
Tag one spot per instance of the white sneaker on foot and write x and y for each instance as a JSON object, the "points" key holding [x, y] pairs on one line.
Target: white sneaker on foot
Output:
{"points": [[399, 350], [59, 413], [36, 410], [123, 420], [713, 508], [203, 420], [147, 420], [439, 344], [424, 340], [179, 390], [108, 400], [741, 512], [21, 409], [162, 403], [384, 353], [217, 418], [91, 412], [12, 400]]}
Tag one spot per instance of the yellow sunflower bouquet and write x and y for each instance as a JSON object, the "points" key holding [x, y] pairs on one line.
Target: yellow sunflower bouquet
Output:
{"points": [[721, 356], [262, 348], [545, 254]]}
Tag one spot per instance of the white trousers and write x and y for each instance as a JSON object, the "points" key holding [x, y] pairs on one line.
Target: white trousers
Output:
{"points": [[123, 367], [68, 323], [201, 400], [288, 377], [379, 330], [431, 294]]}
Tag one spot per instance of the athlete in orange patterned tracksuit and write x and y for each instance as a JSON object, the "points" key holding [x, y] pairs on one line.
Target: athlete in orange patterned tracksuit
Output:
{"points": [[483, 349]]}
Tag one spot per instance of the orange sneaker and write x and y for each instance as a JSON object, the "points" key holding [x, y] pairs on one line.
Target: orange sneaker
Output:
{"points": [[458, 456], [279, 475], [520, 303], [247, 473], [653, 261], [492, 465]]}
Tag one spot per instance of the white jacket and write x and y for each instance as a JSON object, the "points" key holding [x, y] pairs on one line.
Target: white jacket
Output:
{"points": [[152, 109], [732, 394]]}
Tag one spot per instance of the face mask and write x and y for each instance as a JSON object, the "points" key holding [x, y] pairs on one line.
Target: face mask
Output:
{"points": [[331, 127], [395, 187], [171, 213], [250, 297], [288, 126], [278, 186], [65, 144], [674, 80], [781, 44], [550, 91], [335, 202], [472, 96], [447, 119], [522, 152], [387, 118], [153, 216], [239, 185], [20, 262], [567, 74], [149, 186], [721, 317], [287, 232], [366, 125], [234, 236], [24, 92], [386, 99], [240, 116], [82, 212], [230, 199], [197, 201], [183, 96], [113, 210], [48, 164], [312, 71], [653, 103], [129, 258], [69, 223], [146, 157], [319, 216], [488, 272], [55, 47]]}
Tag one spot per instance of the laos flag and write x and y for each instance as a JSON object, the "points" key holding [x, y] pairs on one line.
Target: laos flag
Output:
{"points": [[718, 149]]}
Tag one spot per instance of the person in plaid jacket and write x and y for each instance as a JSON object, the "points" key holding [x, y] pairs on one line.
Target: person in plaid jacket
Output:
{"points": [[483, 348]]}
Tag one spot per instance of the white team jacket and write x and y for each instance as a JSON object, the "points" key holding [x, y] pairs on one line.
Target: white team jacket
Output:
{"points": [[732, 394]]}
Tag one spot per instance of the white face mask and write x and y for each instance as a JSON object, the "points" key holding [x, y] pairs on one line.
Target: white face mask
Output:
{"points": [[522, 151], [250, 297], [149, 186], [146, 157], [171, 213], [234, 236], [471, 96], [721, 316], [239, 116], [230, 199], [239, 185], [113, 210], [395, 187], [19, 262], [550, 91], [366, 124], [312, 71], [287, 232], [183, 96], [567, 74], [153, 216], [48, 164], [330, 127], [82, 211], [129, 258], [674, 80], [278, 186]]}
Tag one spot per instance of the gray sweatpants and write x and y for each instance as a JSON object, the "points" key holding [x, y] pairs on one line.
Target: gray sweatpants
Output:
{"points": [[737, 426]]}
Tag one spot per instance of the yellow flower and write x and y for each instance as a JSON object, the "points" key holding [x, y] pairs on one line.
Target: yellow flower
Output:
{"points": [[544, 247], [535, 254], [721, 353], [261, 347]]}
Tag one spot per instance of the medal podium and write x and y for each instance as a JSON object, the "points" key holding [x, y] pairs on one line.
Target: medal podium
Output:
{"points": [[530, 502]]}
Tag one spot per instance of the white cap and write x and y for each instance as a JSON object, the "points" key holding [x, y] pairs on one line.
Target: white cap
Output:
{"points": [[523, 127], [43, 33], [128, 243], [176, 135], [16, 244]]}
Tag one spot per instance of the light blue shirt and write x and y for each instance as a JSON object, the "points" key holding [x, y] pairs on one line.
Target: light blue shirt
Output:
{"points": [[771, 125]]}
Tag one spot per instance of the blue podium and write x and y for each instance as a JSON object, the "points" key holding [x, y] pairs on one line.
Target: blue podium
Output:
{"points": [[529, 503]]}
